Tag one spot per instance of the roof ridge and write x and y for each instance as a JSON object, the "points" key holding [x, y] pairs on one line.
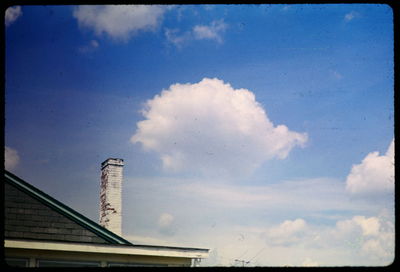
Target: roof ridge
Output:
{"points": [[64, 209]]}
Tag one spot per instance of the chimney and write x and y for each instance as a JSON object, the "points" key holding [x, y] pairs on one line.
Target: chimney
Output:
{"points": [[110, 195]]}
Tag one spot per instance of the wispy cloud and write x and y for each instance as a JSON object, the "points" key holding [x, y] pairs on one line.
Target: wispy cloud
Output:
{"points": [[213, 31], [350, 16], [166, 224], [326, 197], [12, 14], [286, 7], [229, 195], [374, 175], [208, 7], [89, 47], [120, 22], [175, 37], [210, 32], [336, 74], [212, 129], [11, 158], [165, 220]]}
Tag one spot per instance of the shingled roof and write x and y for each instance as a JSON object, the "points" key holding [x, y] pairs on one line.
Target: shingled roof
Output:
{"points": [[34, 215]]}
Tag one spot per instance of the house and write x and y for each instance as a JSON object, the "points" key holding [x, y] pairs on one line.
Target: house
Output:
{"points": [[40, 231]]}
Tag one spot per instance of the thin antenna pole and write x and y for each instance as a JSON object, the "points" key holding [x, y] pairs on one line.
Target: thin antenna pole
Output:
{"points": [[242, 261], [257, 253]]}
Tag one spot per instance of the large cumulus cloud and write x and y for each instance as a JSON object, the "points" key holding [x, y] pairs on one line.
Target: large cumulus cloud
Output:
{"points": [[211, 128]]}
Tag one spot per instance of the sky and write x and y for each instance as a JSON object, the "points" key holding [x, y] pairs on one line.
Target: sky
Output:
{"points": [[264, 133]]}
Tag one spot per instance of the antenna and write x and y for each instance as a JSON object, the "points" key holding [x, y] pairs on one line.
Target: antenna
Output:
{"points": [[242, 261], [257, 253]]}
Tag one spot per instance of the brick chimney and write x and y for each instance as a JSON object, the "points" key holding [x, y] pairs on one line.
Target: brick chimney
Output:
{"points": [[110, 195]]}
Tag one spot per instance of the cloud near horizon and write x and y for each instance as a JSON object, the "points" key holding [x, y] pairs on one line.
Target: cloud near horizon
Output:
{"points": [[288, 232], [211, 128], [375, 174], [166, 224], [329, 229], [371, 237], [119, 22], [355, 241], [165, 220]]}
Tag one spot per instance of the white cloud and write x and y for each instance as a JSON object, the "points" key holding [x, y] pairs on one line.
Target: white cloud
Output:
{"points": [[12, 14], [356, 241], [327, 200], [211, 128], [229, 196], [364, 226], [372, 238], [369, 226], [308, 262], [287, 233], [351, 15], [11, 158], [211, 32], [165, 220], [165, 223], [271, 225], [289, 227], [119, 21], [177, 39], [373, 247], [359, 240], [374, 175]]}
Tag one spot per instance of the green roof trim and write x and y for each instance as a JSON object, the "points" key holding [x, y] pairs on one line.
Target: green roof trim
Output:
{"points": [[65, 210]]}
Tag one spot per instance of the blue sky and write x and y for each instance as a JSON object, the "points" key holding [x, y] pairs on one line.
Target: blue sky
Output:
{"points": [[256, 124]]}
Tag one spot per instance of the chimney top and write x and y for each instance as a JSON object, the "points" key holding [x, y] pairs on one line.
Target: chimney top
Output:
{"points": [[112, 161]]}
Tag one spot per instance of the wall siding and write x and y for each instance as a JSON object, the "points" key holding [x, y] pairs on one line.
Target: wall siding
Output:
{"points": [[27, 218]]}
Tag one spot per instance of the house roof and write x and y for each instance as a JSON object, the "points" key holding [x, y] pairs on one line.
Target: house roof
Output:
{"points": [[60, 208], [36, 201]]}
